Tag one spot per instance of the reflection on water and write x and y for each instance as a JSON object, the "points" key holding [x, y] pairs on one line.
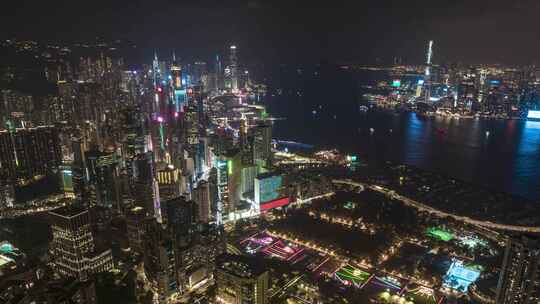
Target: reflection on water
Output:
{"points": [[502, 155], [527, 159]]}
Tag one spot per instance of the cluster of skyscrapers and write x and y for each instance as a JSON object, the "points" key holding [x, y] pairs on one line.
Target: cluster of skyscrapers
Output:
{"points": [[172, 148]]}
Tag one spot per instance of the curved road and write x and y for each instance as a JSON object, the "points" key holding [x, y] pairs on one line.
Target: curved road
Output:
{"points": [[422, 207]]}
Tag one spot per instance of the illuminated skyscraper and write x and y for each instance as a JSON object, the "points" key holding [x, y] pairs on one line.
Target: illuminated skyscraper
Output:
{"points": [[262, 145], [218, 69], [159, 260], [72, 248], [519, 279], [222, 183], [37, 151], [104, 178], [201, 196], [156, 71], [427, 75], [241, 281], [146, 185], [176, 72], [233, 67], [135, 218], [78, 168]]}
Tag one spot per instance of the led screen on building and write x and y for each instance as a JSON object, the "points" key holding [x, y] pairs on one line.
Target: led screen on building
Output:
{"points": [[268, 188], [275, 204], [533, 114]]}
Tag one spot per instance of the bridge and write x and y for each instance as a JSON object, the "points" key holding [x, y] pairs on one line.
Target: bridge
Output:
{"points": [[423, 207]]}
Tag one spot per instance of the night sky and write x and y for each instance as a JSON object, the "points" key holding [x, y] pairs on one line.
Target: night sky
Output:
{"points": [[473, 31]]}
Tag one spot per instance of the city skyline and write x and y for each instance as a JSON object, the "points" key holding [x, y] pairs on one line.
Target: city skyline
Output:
{"points": [[255, 153]]}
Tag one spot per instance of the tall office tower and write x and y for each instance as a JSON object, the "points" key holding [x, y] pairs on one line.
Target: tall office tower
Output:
{"points": [[195, 261], [427, 74], [156, 71], [203, 155], [135, 226], [241, 281], [104, 178], [519, 279], [179, 215], [234, 68], [72, 247], [159, 260], [215, 204], [168, 177], [78, 169], [198, 70], [468, 89], [176, 73], [222, 182], [234, 180], [262, 145], [218, 69], [201, 196], [249, 173], [146, 186], [191, 128]]}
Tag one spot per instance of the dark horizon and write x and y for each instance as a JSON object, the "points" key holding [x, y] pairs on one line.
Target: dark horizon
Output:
{"points": [[481, 32]]}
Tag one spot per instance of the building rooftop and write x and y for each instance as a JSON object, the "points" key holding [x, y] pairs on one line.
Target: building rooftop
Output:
{"points": [[69, 211], [268, 174], [240, 266]]}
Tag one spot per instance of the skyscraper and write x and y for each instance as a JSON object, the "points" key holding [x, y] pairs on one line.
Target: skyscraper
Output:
{"points": [[218, 69], [72, 248], [135, 229], [156, 71], [146, 185], [240, 280], [104, 178], [427, 74], [78, 169], [36, 152], [8, 164], [159, 259], [233, 60], [176, 72], [519, 279], [201, 196], [262, 145]]}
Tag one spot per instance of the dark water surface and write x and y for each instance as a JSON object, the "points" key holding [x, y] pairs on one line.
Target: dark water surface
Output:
{"points": [[500, 154]]}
